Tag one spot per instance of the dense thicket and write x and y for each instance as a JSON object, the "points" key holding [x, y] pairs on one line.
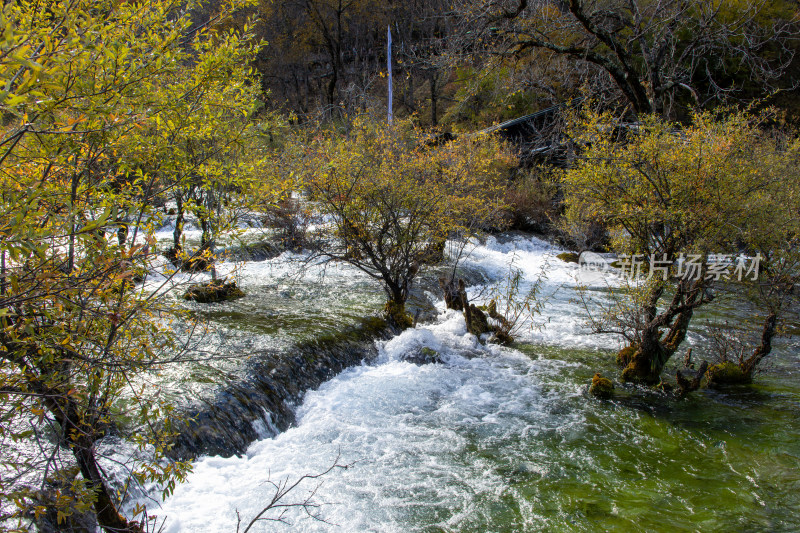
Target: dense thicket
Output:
{"points": [[488, 59], [108, 107]]}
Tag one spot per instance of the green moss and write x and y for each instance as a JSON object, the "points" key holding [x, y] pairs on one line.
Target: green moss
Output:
{"points": [[477, 323], [625, 355], [427, 355], [395, 312], [213, 291], [727, 373], [568, 257], [601, 387]]}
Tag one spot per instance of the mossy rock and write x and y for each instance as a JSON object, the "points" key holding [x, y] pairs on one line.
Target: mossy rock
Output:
{"points": [[213, 291], [424, 356], [625, 356], [601, 387], [396, 314], [502, 337], [727, 373], [569, 257]]}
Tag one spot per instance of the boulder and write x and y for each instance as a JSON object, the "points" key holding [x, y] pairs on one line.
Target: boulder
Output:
{"points": [[423, 356], [601, 387], [217, 290], [569, 257]]}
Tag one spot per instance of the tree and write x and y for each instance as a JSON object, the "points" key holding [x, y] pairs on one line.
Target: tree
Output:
{"points": [[395, 198], [660, 54], [217, 145], [81, 106], [770, 231], [334, 42], [668, 194]]}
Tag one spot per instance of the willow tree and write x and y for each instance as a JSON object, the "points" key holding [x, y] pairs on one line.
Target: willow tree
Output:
{"points": [[395, 198], [84, 91], [674, 198]]}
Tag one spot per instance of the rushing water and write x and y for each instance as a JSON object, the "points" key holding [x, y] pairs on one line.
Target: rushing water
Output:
{"points": [[497, 439], [289, 298]]}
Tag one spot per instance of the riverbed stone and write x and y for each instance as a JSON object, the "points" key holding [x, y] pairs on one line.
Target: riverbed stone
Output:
{"points": [[424, 356], [217, 290], [601, 387], [726, 373]]}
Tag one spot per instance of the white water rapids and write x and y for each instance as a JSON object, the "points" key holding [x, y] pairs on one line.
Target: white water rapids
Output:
{"points": [[493, 439], [413, 434]]}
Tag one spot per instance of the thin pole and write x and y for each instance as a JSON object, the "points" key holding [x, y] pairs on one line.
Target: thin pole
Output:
{"points": [[389, 64]]}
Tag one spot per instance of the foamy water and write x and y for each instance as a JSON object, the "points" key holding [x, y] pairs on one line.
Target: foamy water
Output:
{"points": [[492, 439], [410, 431]]}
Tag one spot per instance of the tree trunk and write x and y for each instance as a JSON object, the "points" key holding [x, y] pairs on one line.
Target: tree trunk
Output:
{"points": [[332, 87], [122, 234], [2, 272], [434, 99], [647, 362], [207, 246], [645, 365], [647, 359], [81, 440], [452, 294], [395, 311], [178, 232], [73, 198], [764, 349], [108, 517]]}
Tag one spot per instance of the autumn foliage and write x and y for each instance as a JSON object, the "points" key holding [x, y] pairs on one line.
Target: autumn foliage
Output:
{"points": [[723, 185], [395, 196]]}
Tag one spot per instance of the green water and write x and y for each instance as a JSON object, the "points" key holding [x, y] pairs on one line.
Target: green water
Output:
{"points": [[273, 316], [715, 461], [557, 461], [506, 443]]}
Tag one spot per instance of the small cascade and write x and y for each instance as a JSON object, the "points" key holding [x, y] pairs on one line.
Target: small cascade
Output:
{"points": [[261, 405]]}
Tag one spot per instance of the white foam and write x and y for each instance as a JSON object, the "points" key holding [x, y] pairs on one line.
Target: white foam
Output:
{"points": [[409, 429], [563, 317], [412, 431]]}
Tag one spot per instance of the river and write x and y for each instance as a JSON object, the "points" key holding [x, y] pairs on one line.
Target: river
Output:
{"points": [[501, 439]]}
